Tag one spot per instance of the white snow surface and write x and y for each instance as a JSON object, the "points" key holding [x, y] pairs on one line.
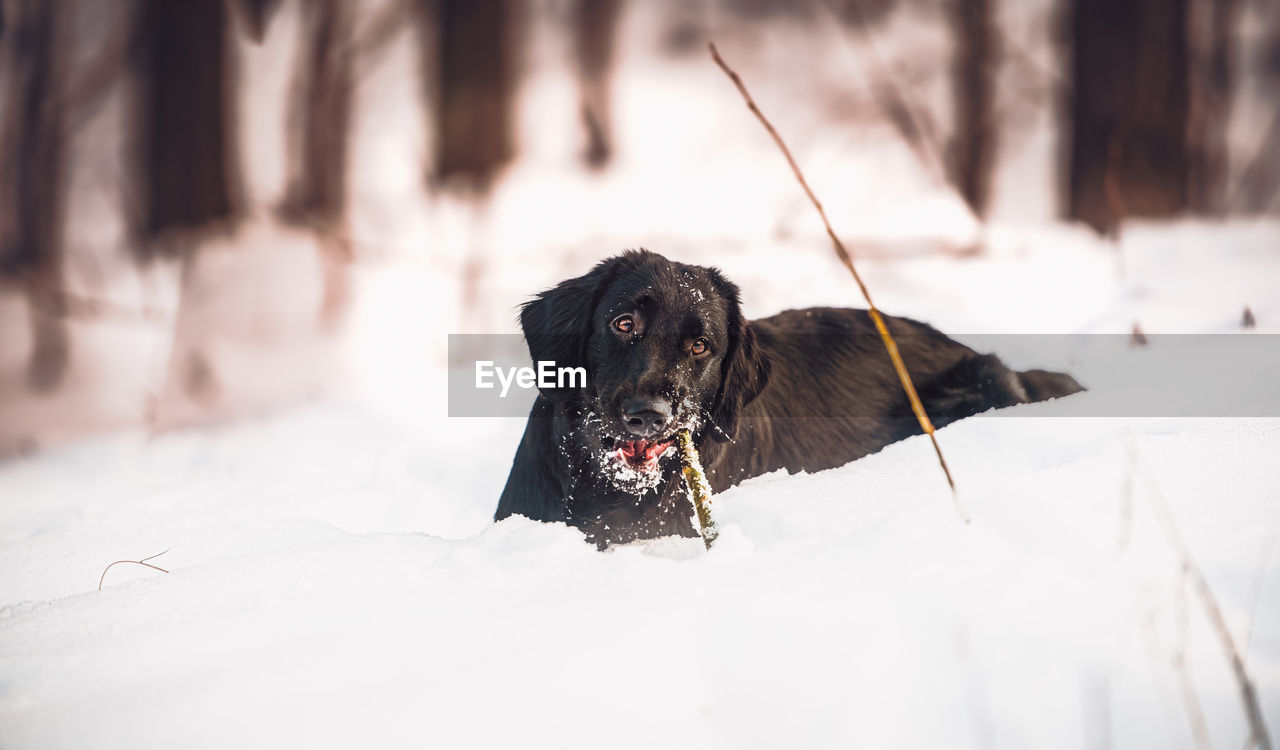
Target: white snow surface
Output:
{"points": [[336, 580]]}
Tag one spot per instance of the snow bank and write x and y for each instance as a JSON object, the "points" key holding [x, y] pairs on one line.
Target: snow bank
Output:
{"points": [[335, 582]]}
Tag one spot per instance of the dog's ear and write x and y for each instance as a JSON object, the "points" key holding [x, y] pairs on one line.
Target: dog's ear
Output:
{"points": [[744, 371], [557, 322]]}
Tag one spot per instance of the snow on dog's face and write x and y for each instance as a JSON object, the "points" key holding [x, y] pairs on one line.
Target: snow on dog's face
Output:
{"points": [[665, 348]]}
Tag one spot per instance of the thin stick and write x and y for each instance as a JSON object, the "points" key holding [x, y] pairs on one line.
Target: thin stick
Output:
{"points": [[699, 488], [847, 260], [1255, 593], [1190, 701], [1156, 655], [1248, 692], [142, 562]]}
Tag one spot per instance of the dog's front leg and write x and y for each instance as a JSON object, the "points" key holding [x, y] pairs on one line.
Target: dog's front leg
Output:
{"points": [[534, 488]]}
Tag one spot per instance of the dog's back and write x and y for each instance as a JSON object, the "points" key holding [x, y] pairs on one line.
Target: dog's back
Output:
{"points": [[833, 395]]}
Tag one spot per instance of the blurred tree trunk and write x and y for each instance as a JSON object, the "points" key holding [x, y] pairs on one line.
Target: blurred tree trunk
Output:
{"points": [[31, 143], [320, 115], [973, 147], [1129, 111], [1260, 181], [319, 127], [186, 128], [474, 65], [257, 16], [595, 24], [32, 177], [1211, 27], [188, 179]]}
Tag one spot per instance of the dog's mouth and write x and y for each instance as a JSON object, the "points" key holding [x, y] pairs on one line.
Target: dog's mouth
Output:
{"points": [[640, 455]]}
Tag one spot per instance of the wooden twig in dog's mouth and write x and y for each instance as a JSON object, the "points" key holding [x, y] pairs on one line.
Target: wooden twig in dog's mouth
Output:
{"points": [[699, 487]]}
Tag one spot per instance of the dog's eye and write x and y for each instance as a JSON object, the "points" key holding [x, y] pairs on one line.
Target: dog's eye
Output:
{"points": [[624, 324], [699, 347]]}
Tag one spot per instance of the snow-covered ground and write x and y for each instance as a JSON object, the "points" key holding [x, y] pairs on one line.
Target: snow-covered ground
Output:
{"points": [[311, 604], [335, 577]]}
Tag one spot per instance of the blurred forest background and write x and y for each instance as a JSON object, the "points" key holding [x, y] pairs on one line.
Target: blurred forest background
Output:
{"points": [[196, 196]]}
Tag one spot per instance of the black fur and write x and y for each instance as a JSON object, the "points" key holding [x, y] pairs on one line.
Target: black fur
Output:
{"points": [[803, 390]]}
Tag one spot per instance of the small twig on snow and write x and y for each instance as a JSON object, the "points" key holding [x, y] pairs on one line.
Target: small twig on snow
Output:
{"points": [[1190, 701], [1258, 735], [142, 562], [1259, 580]]}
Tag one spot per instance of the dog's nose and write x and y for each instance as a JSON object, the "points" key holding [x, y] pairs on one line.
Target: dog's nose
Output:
{"points": [[645, 417]]}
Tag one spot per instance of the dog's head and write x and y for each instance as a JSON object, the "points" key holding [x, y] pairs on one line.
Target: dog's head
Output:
{"points": [[665, 347]]}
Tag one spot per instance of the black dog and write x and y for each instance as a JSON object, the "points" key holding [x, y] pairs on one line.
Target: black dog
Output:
{"points": [[665, 347]]}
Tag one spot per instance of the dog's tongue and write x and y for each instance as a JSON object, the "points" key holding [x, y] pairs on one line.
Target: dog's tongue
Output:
{"points": [[642, 451]]}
